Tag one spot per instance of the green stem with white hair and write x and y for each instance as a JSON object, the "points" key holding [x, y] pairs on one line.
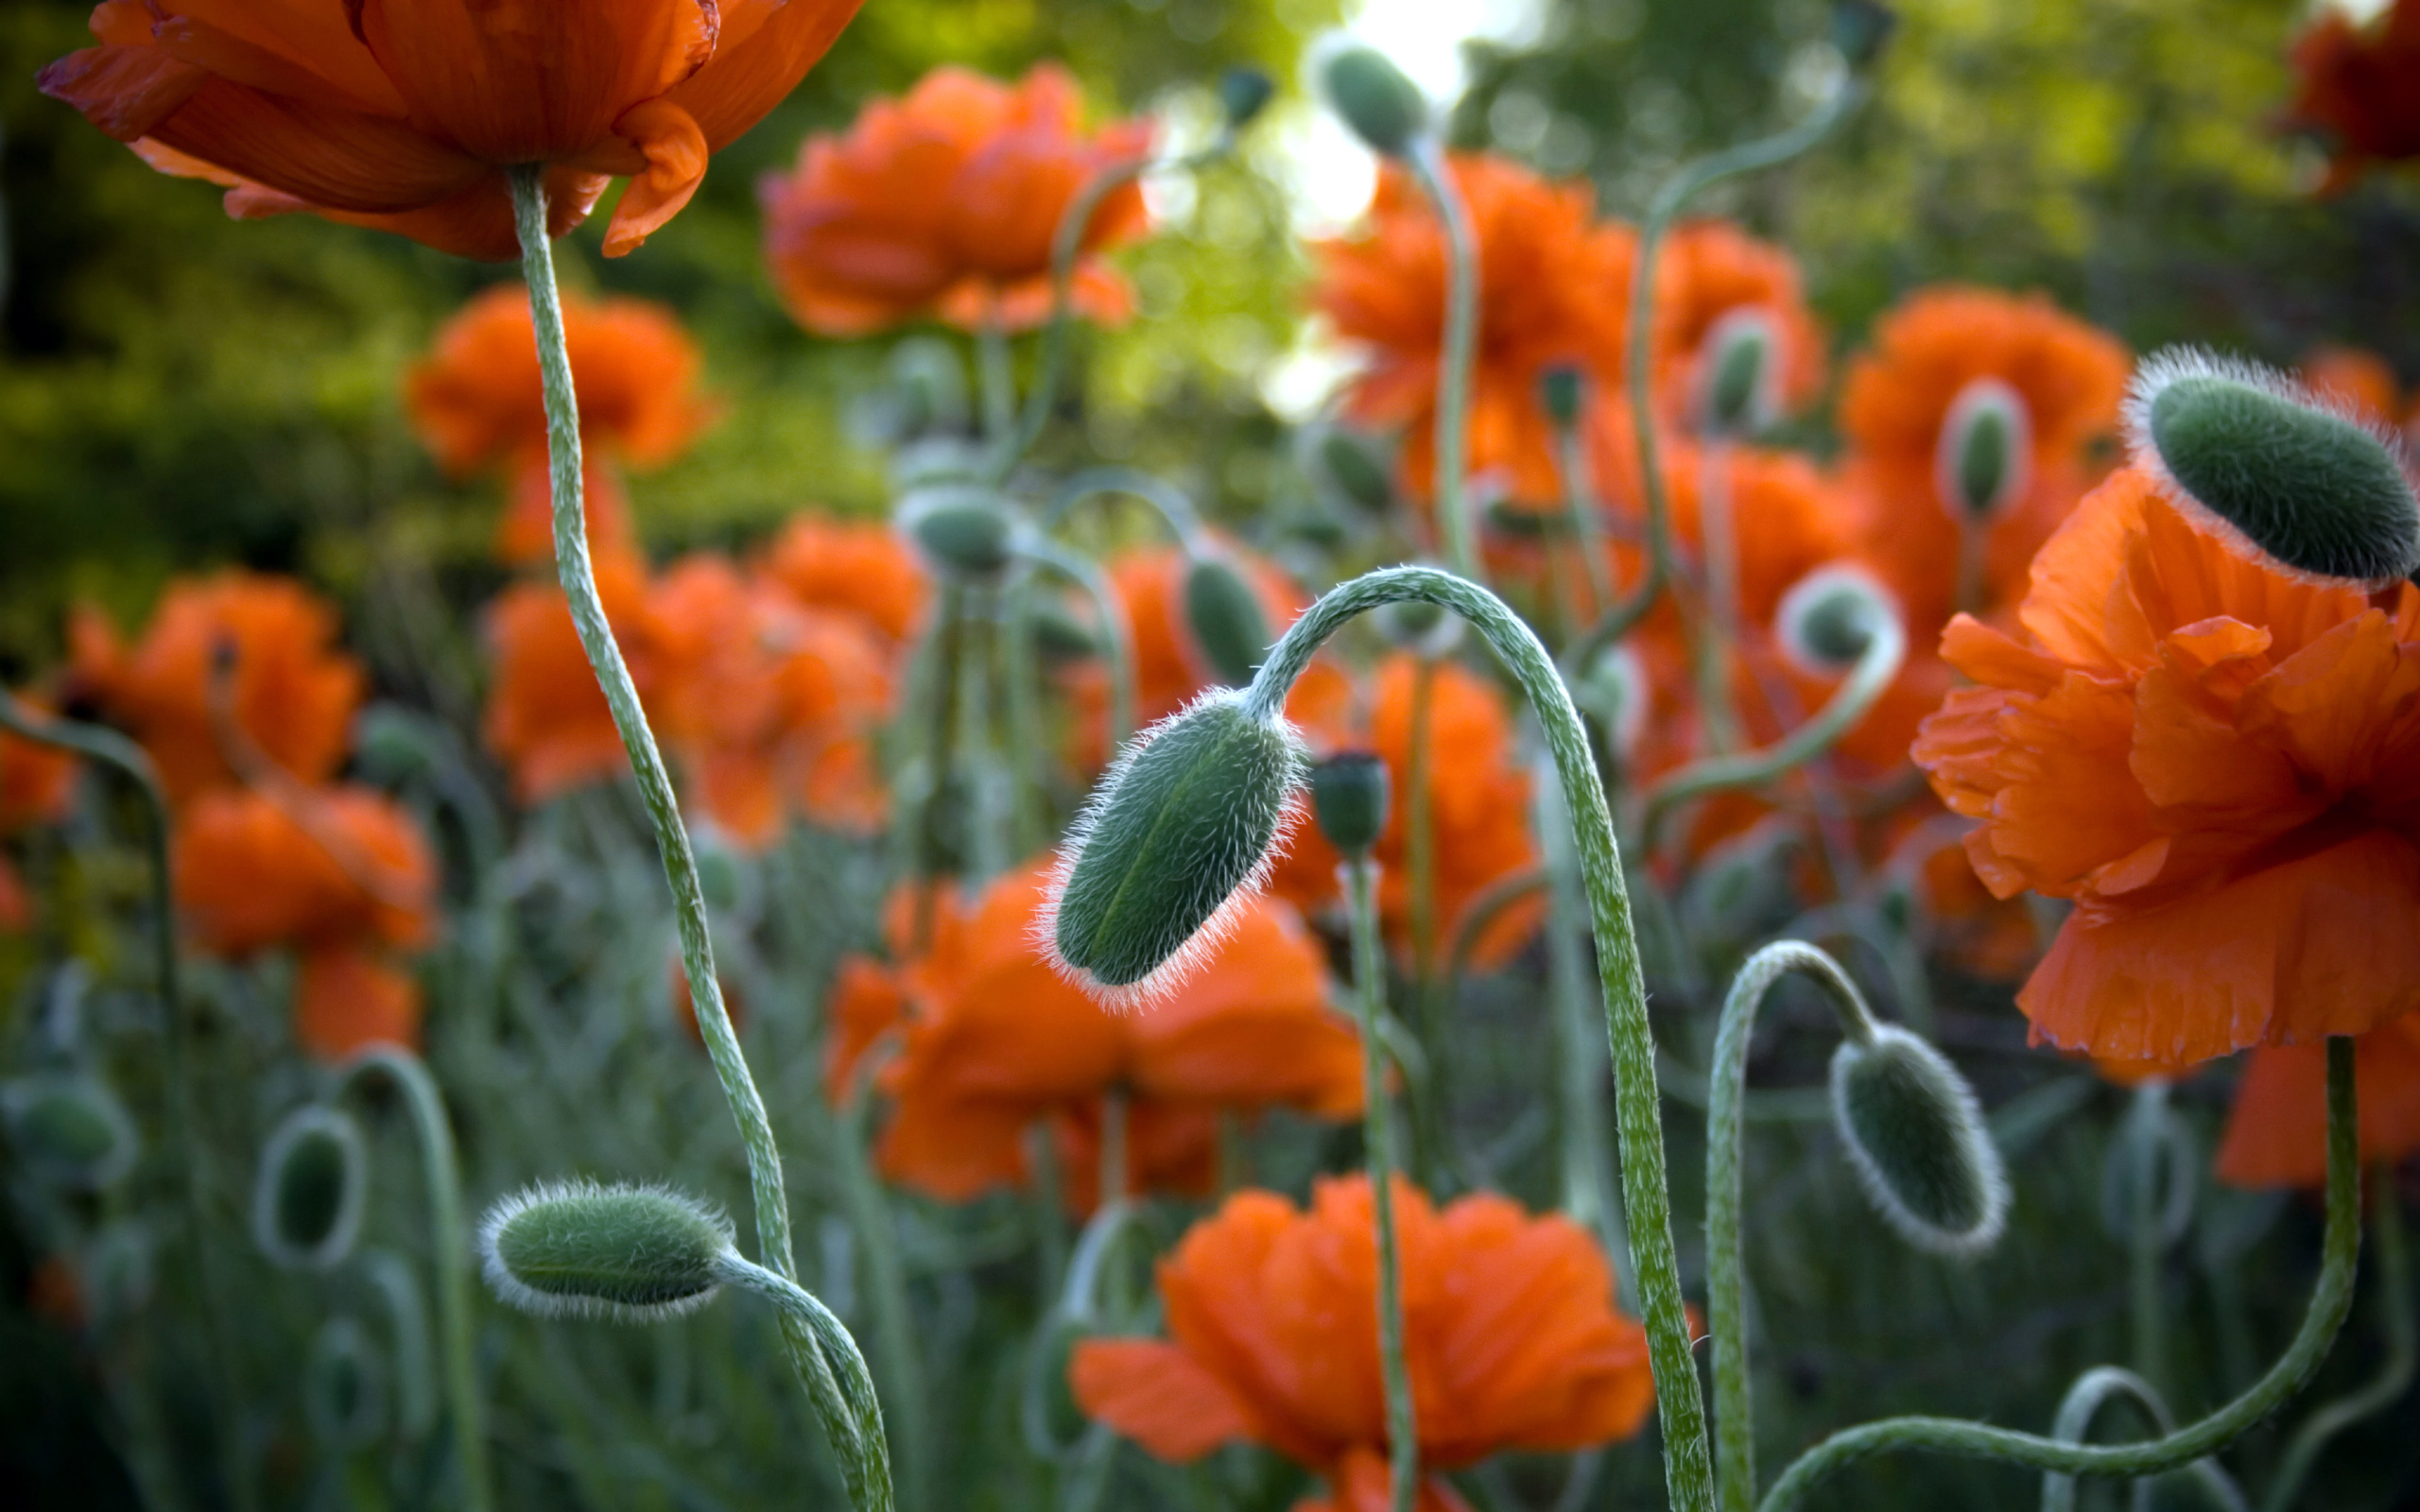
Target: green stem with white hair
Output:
{"points": [[840, 1385], [2084, 1401], [2394, 1377], [1360, 876], [1646, 1193]]}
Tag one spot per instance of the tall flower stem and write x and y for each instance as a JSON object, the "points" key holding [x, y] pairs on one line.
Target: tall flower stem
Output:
{"points": [[2330, 1300], [1117, 656], [1580, 1081], [887, 1282], [1426, 161], [655, 784], [1419, 855], [442, 1169], [842, 1392], [2144, 1142], [1360, 876], [2394, 1377], [1734, 1437], [1645, 1191], [129, 761]]}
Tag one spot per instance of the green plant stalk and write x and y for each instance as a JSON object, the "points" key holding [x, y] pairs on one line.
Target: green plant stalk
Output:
{"points": [[998, 372], [941, 755], [843, 1391], [1580, 502], [1021, 680], [887, 1286], [2394, 1377], [131, 762], [1081, 571], [2331, 1299], [1735, 1439], [1579, 1079], [1360, 878], [1849, 703], [1164, 498], [1714, 633], [1646, 1193], [646, 764], [442, 1169], [1426, 161], [2075, 1415]]}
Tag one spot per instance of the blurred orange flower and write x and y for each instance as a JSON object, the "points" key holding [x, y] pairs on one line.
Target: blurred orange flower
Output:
{"points": [[945, 203], [2363, 380], [546, 721], [404, 116], [1169, 666], [1553, 287], [990, 1041], [2277, 1131], [1478, 801], [856, 567], [2357, 88], [293, 692], [2218, 763], [475, 401], [1508, 1328], [347, 996], [37, 782], [1709, 269]]}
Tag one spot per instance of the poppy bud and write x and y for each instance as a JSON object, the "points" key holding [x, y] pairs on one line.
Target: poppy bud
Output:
{"points": [[1243, 93], [1985, 450], [1830, 616], [70, 1131], [1224, 614], [1349, 799], [388, 744], [1739, 374], [1419, 626], [1613, 690], [961, 528], [1561, 389], [1384, 108], [1860, 29], [1917, 1140], [1182, 827], [344, 1387], [314, 1180], [578, 1250], [2275, 466], [1058, 635], [1345, 463]]}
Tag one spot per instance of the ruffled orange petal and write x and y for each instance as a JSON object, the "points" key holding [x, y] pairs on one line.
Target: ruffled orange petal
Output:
{"points": [[1156, 1395]]}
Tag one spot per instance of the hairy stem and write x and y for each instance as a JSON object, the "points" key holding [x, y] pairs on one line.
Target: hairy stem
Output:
{"points": [[1360, 876], [840, 1385], [2382, 1390], [887, 1283], [1426, 161], [2076, 1411]]}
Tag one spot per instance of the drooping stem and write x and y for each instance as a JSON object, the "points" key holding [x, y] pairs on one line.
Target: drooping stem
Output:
{"points": [[2382, 1390], [841, 1388], [2331, 1299], [1646, 1193], [1579, 1077], [1165, 499], [442, 1169], [1426, 161], [646, 763], [1360, 878], [2084, 1401], [1735, 1440], [131, 762]]}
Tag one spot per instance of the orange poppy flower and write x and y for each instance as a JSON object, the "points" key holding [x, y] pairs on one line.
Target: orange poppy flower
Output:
{"points": [[37, 783], [404, 115], [1710, 269], [546, 721], [856, 567], [475, 401], [16, 900], [2363, 380], [1478, 802], [2357, 87], [1552, 291], [943, 202], [991, 1041], [346, 997], [294, 692], [354, 866], [2278, 1130], [2218, 763], [1510, 1332]]}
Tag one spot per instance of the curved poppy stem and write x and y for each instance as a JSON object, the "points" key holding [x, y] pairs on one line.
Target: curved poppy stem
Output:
{"points": [[1735, 1439], [2330, 1300], [1359, 875], [1175, 510], [578, 578], [1580, 1081], [1426, 161], [894, 1324], [1087, 575], [2394, 1377], [1645, 1191], [2076, 1411], [840, 1385], [131, 762], [442, 1168]]}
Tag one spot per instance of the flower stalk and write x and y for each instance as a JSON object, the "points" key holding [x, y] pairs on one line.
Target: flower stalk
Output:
{"points": [[1360, 876], [1427, 160], [2382, 1390]]}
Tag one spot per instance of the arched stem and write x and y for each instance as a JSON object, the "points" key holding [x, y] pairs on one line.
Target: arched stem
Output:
{"points": [[2394, 1377], [2084, 1399], [1081, 571], [838, 1383]]}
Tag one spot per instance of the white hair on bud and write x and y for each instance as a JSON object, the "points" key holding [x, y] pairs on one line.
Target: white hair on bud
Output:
{"points": [[1756, 322], [1790, 615], [1978, 1153], [314, 1119], [1163, 981], [1981, 393], [514, 1293]]}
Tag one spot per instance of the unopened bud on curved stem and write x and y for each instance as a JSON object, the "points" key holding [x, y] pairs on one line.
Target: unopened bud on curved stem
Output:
{"points": [[630, 1253], [1916, 1136], [314, 1180], [1984, 461], [1224, 614], [1372, 95], [1349, 799], [1739, 374], [70, 1131]]}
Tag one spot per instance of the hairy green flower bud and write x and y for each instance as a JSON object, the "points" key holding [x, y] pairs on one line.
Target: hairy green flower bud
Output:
{"points": [[578, 1250], [344, 1387], [2284, 474], [1243, 93], [1560, 389], [1984, 461], [1344, 463], [69, 1131], [962, 529], [1916, 1136], [314, 1180], [1059, 636], [1860, 29], [1830, 616], [1225, 617], [1182, 829], [1739, 374], [1384, 108], [1612, 689], [1349, 799]]}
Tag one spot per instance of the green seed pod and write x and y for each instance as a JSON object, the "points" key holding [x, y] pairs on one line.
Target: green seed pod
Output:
{"points": [[1739, 374], [1346, 465], [1560, 389], [344, 1387], [1224, 616], [1182, 829], [69, 1130], [1384, 108], [578, 1250], [961, 528], [1916, 1136], [1984, 458], [1419, 626], [1059, 636], [1349, 799], [314, 1180], [1243, 93], [388, 744], [1830, 616], [1860, 29], [1613, 690], [2285, 475]]}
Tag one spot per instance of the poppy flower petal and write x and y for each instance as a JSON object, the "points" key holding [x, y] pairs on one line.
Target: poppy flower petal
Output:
{"points": [[341, 159], [764, 53], [675, 151], [346, 999], [127, 91], [1156, 1395]]}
